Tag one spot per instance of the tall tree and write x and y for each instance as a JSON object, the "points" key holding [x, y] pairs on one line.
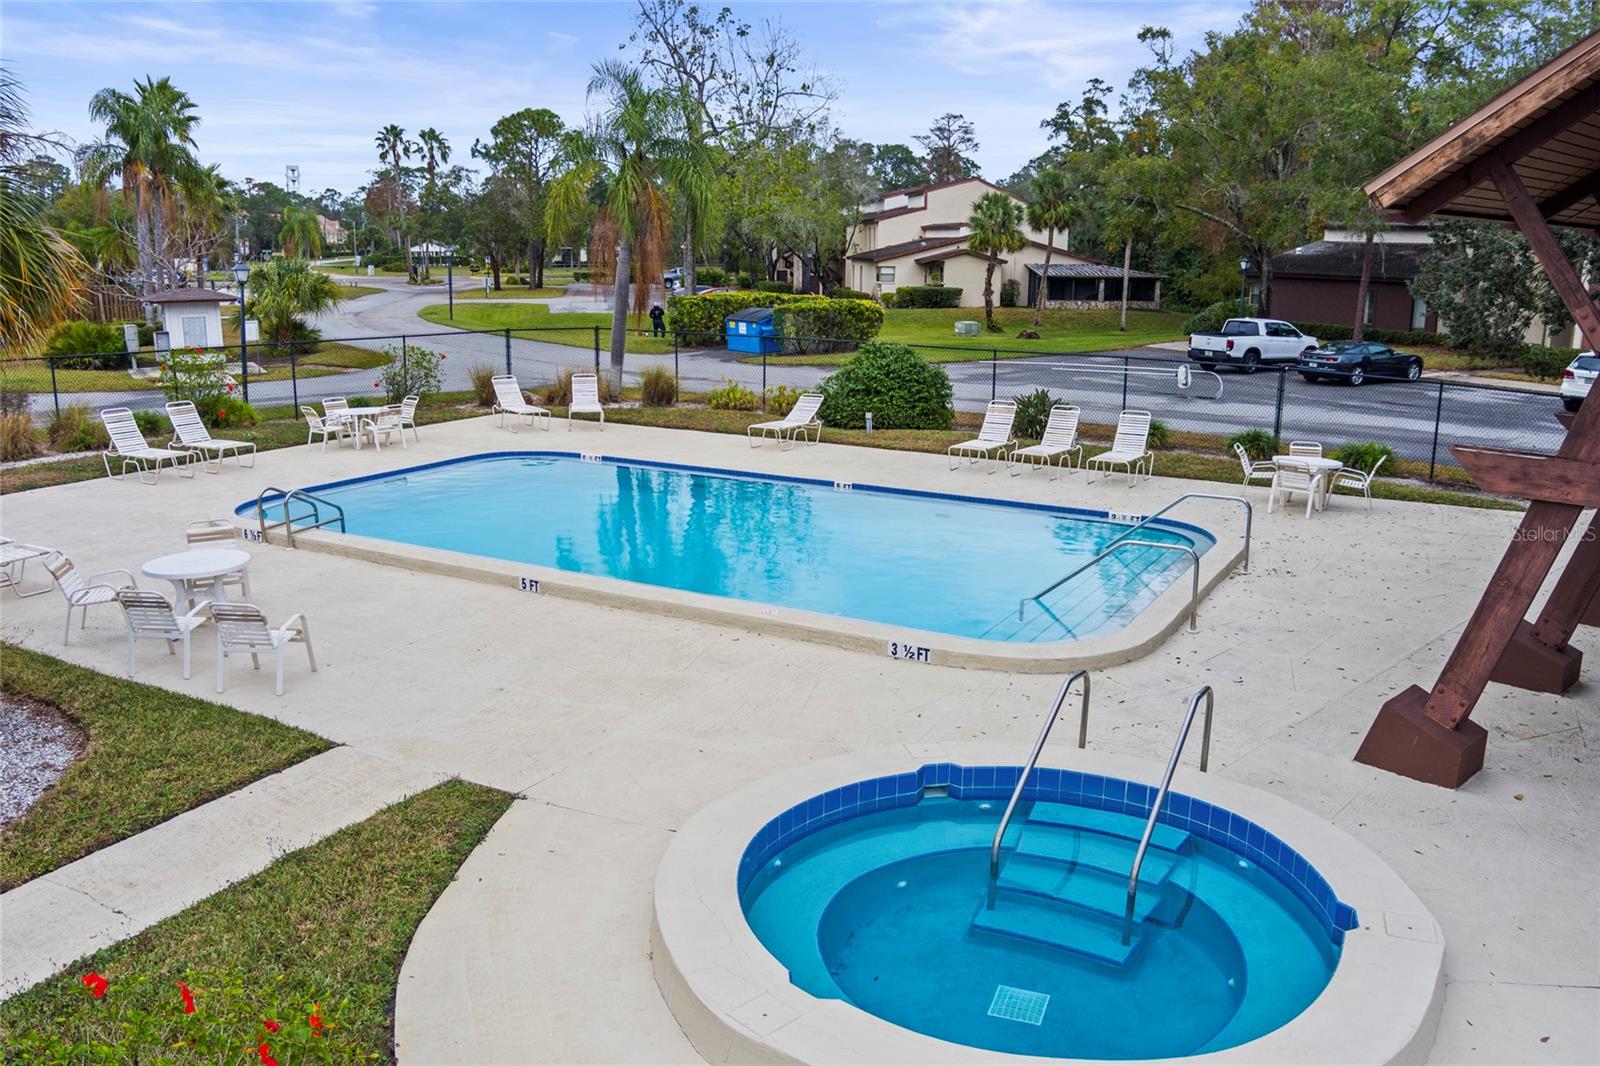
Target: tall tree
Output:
{"points": [[301, 236], [524, 151], [894, 166], [1052, 210], [281, 290], [996, 226], [947, 143], [394, 149]]}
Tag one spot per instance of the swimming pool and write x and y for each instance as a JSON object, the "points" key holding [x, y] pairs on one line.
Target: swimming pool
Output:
{"points": [[940, 563]]}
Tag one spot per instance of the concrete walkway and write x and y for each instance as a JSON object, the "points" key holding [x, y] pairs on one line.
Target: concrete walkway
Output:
{"points": [[115, 892], [617, 725]]}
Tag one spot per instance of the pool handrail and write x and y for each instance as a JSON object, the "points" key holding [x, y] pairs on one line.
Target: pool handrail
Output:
{"points": [[1112, 549], [1027, 769], [1161, 796], [285, 498]]}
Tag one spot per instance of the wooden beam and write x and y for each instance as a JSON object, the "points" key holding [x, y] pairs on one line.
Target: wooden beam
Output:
{"points": [[1577, 590], [1531, 477], [1560, 200]]}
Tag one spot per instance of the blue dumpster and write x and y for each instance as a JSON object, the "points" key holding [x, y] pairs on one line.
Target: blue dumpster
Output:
{"points": [[754, 331]]}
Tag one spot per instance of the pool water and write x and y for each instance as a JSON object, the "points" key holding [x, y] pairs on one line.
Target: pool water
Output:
{"points": [[891, 911], [926, 562]]}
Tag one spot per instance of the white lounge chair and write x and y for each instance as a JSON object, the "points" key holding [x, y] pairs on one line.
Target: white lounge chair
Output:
{"points": [[508, 400], [1254, 469], [1060, 442], [1130, 449], [1293, 477], [337, 428], [801, 419], [242, 627], [1348, 477], [1308, 448], [192, 436], [993, 438], [129, 445], [83, 591], [219, 531], [586, 398], [150, 616]]}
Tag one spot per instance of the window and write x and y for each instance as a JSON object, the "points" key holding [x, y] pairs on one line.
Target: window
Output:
{"points": [[885, 275], [1419, 314], [1366, 309], [194, 331]]}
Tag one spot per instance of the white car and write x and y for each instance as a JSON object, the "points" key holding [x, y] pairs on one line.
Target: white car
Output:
{"points": [[1578, 379], [1250, 343]]}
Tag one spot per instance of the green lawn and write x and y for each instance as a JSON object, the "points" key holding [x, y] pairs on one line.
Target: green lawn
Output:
{"points": [[510, 292], [151, 754], [353, 292], [324, 929], [492, 316]]}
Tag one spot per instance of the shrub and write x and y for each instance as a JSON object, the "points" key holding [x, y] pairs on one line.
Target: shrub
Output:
{"points": [[230, 412], [559, 392], [743, 281], [780, 399], [899, 387], [658, 387], [482, 376], [1363, 455], [710, 275], [195, 375], [809, 322], [732, 396], [16, 436], [581, 274], [1160, 435], [1010, 292], [842, 292], [100, 343], [774, 286], [1343, 331], [410, 370], [1033, 413], [927, 296], [1259, 444], [1546, 364], [152, 423], [1211, 319], [76, 429]]}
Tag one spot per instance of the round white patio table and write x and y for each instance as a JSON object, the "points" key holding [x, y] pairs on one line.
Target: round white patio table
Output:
{"points": [[1321, 468], [190, 570]]}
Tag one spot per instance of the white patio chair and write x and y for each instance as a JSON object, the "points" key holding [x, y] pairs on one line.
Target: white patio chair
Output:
{"points": [[1130, 449], [191, 435], [14, 553], [129, 445], [150, 616], [335, 408], [1348, 477], [801, 419], [508, 400], [1060, 442], [1292, 477], [83, 591], [242, 627], [1308, 448], [1254, 469], [386, 423], [219, 531], [405, 413], [993, 438], [316, 425], [586, 399]]}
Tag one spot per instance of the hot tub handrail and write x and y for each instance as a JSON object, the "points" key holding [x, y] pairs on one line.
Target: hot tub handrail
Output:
{"points": [[1027, 769], [1161, 796]]}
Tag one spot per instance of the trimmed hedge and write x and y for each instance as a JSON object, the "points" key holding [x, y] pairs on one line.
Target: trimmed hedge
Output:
{"points": [[842, 292], [900, 388], [774, 286], [1334, 331], [1010, 292], [796, 315], [926, 296], [1210, 320], [1546, 364]]}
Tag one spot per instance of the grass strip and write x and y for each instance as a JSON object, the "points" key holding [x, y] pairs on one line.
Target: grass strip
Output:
{"points": [[322, 931], [151, 754]]}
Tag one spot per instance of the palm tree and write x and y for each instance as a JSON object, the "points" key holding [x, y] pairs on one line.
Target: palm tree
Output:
{"points": [[434, 149], [209, 204], [301, 237], [637, 155], [996, 225], [148, 142], [394, 149], [1051, 209], [284, 289]]}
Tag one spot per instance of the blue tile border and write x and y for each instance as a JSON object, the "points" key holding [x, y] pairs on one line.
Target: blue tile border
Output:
{"points": [[1197, 817]]}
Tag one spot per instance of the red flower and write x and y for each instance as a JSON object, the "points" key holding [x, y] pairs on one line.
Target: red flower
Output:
{"points": [[188, 997], [266, 1055], [222, 415], [377, 384], [443, 357], [96, 984], [269, 1025], [314, 1019], [227, 388]]}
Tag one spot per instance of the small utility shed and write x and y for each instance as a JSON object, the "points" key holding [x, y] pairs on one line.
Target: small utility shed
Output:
{"points": [[192, 317], [1529, 158]]}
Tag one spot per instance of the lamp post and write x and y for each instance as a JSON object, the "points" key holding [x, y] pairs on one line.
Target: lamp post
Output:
{"points": [[241, 274], [1244, 286], [450, 279]]}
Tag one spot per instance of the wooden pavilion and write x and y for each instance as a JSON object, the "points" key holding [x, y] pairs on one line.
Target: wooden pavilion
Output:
{"points": [[1529, 158]]}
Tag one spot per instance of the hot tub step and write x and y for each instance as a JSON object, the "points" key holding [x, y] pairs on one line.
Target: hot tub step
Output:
{"points": [[1108, 822], [1095, 851], [1067, 928], [1093, 890]]}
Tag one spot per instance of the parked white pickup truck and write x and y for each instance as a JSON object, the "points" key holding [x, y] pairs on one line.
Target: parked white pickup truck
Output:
{"points": [[1250, 342]]}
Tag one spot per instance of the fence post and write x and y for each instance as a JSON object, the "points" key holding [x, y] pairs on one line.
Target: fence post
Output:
{"points": [[1125, 367], [597, 351], [55, 393], [677, 384], [994, 374], [508, 351], [763, 378], [294, 380], [1438, 417], [1277, 416]]}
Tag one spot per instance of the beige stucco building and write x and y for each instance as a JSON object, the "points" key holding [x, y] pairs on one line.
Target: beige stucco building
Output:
{"points": [[919, 237]]}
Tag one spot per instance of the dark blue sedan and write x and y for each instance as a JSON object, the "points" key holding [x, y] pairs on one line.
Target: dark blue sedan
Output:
{"points": [[1358, 362]]}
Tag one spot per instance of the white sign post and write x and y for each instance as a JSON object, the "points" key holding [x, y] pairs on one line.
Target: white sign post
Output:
{"points": [[252, 331]]}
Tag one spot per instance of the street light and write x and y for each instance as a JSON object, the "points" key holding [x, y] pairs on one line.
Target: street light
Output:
{"points": [[1244, 286], [241, 274]]}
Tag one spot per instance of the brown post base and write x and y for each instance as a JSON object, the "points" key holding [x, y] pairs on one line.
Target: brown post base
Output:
{"points": [[1592, 616], [1405, 741], [1537, 667]]}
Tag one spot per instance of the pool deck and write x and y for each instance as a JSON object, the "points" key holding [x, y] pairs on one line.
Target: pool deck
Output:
{"points": [[616, 726]]}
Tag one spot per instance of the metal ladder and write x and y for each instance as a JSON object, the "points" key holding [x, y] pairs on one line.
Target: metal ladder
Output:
{"points": [[1161, 796], [316, 503]]}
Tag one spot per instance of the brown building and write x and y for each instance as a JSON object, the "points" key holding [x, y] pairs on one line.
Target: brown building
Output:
{"points": [[1318, 282]]}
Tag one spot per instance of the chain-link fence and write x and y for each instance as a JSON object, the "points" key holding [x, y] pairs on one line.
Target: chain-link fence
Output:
{"points": [[1201, 407]]}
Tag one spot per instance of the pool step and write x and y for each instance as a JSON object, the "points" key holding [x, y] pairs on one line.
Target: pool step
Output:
{"points": [[1097, 891], [1110, 823], [1068, 928], [1094, 851]]}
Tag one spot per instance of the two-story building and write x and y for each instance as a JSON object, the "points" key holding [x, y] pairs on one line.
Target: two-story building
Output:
{"points": [[919, 237]]}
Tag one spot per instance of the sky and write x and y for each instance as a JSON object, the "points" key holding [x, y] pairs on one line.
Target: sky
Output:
{"points": [[309, 83]]}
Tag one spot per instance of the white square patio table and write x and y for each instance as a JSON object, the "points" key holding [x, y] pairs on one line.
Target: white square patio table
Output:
{"points": [[1321, 468], [357, 415], [196, 568]]}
